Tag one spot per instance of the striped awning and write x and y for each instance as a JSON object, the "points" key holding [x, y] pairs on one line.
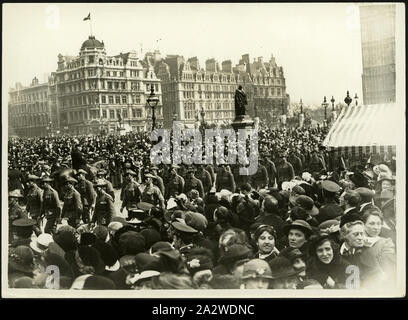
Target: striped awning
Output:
{"points": [[365, 129]]}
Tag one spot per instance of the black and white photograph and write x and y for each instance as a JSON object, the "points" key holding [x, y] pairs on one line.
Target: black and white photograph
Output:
{"points": [[215, 150]]}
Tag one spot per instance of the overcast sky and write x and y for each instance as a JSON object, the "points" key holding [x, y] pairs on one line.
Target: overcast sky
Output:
{"points": [[318, 45]]}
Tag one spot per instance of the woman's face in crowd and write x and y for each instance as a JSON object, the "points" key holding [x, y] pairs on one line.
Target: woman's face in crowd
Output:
{"points": [[373, 226], [296, 238], [386, 185], [324, 252], [266, 243], [258, 283], [299, 264], [355, 237]]}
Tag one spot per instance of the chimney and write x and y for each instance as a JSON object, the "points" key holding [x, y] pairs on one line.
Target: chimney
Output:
{"points": [[227, 66], [194, 64], [210, 65]]}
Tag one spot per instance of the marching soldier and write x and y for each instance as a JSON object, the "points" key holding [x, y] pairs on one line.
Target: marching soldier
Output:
{"points": [[51, 208], [14, 209], [284, 170], [72, 209], [205, 177], [192, 182], [22, 232], [87, 192], [260, 179], [151, 193], [101, 174], [270, 168], [225, 180], [296, 162], [131, 193], [176, 183], [158, 181], [104, 208], [34, 199]]}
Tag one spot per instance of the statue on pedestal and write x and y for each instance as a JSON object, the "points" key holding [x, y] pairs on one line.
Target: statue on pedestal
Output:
{"points": [[240, 102]]}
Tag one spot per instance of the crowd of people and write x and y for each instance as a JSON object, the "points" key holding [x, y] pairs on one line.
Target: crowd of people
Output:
{"points": [[99, 211]]}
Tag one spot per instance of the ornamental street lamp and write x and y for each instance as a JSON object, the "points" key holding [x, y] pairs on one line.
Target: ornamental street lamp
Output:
{"points": [[202, 115], [301, 106], [324, 105], [153, 101], [348, 99], [355, 97], [332, 101]]}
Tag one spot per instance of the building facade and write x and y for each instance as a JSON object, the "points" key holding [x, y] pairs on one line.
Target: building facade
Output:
{"points": [[192, 94], [378, 52], [29, 109], [97, 92]]}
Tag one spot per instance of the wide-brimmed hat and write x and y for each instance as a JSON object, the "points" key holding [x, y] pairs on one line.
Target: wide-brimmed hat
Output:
{"points": [[136, 215], [21, 259], [330, 186], [181, 226], [300, 225], [329, 226], [255, 269], [307, 203], [282, 268], [32, 177], [145, 206], [70, 180], [41, 243], [234, 253], [15, 194], [24, 222], [384, 176]]}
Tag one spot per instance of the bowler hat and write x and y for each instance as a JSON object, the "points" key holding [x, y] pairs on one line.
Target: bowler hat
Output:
{"points": [[256, 268], [300, 225], [15, 194], [145, 206]]}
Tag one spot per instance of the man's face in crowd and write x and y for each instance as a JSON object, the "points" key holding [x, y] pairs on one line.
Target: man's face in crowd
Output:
{"points": [[355, 236]]}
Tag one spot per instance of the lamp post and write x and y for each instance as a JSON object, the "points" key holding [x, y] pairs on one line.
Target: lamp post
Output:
{"points": [[153, 101], [202, 113], [355, 97], [348, 99], [332, 101], [301, 106], [324, 105]]}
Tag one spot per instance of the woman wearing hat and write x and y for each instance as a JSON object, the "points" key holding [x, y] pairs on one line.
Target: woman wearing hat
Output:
{"points": [[265, 237], [20, 264], [298, 233], [325, 264], [385, 183], [256, 275]]}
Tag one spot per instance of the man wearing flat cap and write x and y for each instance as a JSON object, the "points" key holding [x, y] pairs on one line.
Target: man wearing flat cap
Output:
{"points": [[88, 195], [191, 182], [151, 193], [158, 181], [131, 194], [205, 177], [176, 183], [104, 208], [72, 209], [51, 208]]}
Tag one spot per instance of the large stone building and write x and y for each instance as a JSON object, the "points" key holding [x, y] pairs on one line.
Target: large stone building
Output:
{"points": [[191, 92], [378, 51], [98, 92], [29, 109]]}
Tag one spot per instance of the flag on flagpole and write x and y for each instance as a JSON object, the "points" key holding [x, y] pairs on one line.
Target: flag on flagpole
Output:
{"points": [[88, 17]]}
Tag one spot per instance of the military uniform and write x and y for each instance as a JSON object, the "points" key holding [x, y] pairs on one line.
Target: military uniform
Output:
{"points": [[131, 195], [152, 195], [109, 188], [51, 208], [87, 192], [175, 186], [104, 209], [34, 202], [72, 209], [194, 183], [260, 178], [285, 172], [271, 169], [296, 163], [225, 180], [240, 179], [158, 182], [316, 164], [205, 177]]}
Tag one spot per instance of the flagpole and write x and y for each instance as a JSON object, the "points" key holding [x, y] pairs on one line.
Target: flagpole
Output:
{"points": [[90, 24]]}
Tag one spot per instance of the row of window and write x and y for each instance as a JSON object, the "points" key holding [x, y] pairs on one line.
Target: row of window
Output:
{"points": [[30, 108], [29, 120], [81, 115], [28, 97]]}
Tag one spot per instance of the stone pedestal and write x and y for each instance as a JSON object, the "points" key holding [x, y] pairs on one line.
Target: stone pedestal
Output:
{"points": [[243, 122]]}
